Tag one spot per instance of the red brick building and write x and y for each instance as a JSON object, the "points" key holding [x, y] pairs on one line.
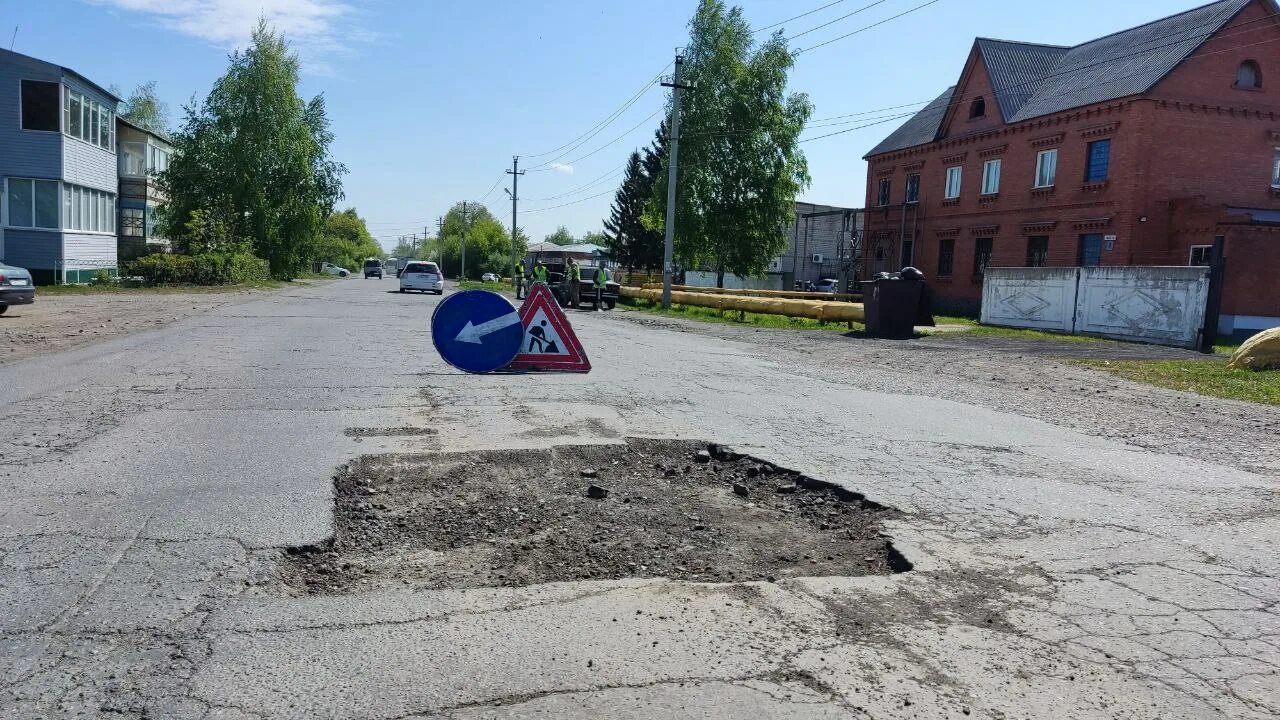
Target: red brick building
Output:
{"points": [[1138, 148]]}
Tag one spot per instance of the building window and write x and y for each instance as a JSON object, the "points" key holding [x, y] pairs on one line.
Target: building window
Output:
{"points": [[1201, 255], [89, 120], [1099, 161], [977, 108], [1046, 168], [946, 257], [908, 253], [913, 188], [31, 203], [89, 210], [991, 177], [1090, 250], [1037, 251], [1248, 76], [133, 159], [1275, 169], [882, 197], [40, 105], [157, 160], [133, 222], [981, 255], [953, 183]]}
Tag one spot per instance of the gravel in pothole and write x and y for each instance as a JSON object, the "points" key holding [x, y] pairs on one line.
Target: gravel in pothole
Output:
{"points": [[649, 508]]}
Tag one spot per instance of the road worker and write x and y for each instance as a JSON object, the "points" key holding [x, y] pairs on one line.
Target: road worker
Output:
{"points": [[602, 281], [540, 272], [519, 280], [575, 281]]}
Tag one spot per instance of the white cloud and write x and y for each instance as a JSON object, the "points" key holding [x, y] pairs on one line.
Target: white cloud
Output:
{"points": [[309, 24], [562, 168]]}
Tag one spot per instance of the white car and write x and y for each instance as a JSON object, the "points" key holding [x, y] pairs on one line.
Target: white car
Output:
{"points": [[334, 270], [422, 276], [490, 277]]}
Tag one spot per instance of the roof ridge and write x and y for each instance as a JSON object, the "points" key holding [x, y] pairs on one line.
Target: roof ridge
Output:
{"points": [[1188, 11], [1024, 42]]}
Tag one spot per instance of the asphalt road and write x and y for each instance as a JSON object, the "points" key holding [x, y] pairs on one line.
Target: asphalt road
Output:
{"points": [[148, 482]]}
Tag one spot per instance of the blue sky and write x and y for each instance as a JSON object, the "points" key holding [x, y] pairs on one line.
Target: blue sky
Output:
{"points": [[430, 98]]}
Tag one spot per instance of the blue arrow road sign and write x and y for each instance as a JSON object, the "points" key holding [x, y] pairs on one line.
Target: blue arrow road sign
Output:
{"points": [[477, 331]]}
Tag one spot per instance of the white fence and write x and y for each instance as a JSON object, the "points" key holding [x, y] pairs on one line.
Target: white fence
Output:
{"points": [[1164, 305], [703, 278]]}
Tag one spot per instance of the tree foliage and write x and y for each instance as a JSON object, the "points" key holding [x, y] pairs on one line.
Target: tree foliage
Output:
{"points": [[488, 242], [561, 236], [145, 109], [255, 157], [345, 240], [632, 243], [740, 165]]}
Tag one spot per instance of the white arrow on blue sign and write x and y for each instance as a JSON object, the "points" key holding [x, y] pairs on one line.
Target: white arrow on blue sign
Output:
{"points": [[477, 331]]}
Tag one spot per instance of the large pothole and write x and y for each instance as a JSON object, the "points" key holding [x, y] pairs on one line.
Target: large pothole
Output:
{"points": [[523, 517]]}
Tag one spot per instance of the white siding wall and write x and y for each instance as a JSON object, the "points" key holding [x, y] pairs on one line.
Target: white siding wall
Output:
{"points": [[87, 251], [84, 163]]}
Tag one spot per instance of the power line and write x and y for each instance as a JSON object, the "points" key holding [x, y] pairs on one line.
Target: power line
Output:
{"points": [[833, 22], [612, 173], [633, 128], [797, 17], [864, 29]]}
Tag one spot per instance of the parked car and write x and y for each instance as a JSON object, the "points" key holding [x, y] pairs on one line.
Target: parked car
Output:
{"points": [[490, 277], [828, 285], [372, 267], [586, 287], [422, 276], [334, 270], [16, 287]]}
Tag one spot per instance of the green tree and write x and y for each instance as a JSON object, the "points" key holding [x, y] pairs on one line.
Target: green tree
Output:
{"points": [[561, 236], [144, 108], [488, 242], [740, 163], [255, 156], [631, 241], [345, 240], [404, 249]]}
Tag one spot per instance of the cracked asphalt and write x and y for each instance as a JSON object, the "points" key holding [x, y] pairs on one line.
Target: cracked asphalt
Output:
{"points": [[1083, 547]]}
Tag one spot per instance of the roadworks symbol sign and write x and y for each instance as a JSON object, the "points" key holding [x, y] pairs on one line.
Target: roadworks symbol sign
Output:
{"points": [[549, 341]]}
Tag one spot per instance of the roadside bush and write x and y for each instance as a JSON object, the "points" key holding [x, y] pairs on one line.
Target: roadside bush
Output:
{"points": [[203, 269]]}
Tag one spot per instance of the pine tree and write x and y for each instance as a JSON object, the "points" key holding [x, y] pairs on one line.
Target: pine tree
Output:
{"points": [[632, 244]]}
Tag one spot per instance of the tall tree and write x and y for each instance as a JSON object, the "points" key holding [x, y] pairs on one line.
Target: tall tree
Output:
{"points": [[346, 241], [740, 163], [631, 242], [561, 236], [145, 109], [255, 156], [488, 242]]}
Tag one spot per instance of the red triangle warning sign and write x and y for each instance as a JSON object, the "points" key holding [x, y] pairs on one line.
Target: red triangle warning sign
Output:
{"points": [[549, 342]]}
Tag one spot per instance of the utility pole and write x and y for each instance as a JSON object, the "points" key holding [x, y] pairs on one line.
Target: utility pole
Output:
{"points": [[463, 275], [515, 172], [668, 250], [440, 242], [425, 228]]}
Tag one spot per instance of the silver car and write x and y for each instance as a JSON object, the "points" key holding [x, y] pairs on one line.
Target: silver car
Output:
{"points": [[422, 276], [16, 287]]}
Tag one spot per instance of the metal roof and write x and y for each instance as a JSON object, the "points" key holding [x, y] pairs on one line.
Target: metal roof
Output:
{"points": [[1031, 80], [921, 128]]}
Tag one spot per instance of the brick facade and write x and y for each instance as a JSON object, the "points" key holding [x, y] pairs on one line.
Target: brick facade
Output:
{"points": [[1182, 154]]}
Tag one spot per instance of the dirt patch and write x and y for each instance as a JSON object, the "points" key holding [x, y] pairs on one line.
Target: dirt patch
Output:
{"points": [[658, 509], [363, 432]]}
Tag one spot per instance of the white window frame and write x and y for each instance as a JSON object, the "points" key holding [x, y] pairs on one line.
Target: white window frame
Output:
{"points": [[8, 216], [956, 172], [1191, 256], [1040, 164], [991, 177], [1275, 169], [92, 116], [90, 211]]}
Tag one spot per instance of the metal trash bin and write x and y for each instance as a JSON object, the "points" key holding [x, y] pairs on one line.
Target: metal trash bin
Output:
{"points": [[890, 307]]}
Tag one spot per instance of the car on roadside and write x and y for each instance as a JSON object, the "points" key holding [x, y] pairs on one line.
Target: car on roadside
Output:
{"points": [[490, 278], [586, 287], [422, 276], [332, 269], [16, 287], [827, 285], [372, 267], [400, 263]]}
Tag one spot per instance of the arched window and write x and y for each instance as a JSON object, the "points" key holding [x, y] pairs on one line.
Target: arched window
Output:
{"points": [[977, 108], [1248, 76]]}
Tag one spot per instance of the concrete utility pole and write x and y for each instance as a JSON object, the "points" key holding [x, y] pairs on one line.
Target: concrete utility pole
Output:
{"points": [[668, 250], [440, 242], [515, 172], [463, 274]]}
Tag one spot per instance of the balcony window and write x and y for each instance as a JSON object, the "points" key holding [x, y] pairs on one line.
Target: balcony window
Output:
{"points": [[157, 160], [133, 222], [89, 210], [133, 159], [89, 120]]}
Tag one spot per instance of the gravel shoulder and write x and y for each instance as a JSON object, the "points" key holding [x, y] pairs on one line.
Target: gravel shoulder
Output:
{"points": [[1027, 378], [57, 322]]}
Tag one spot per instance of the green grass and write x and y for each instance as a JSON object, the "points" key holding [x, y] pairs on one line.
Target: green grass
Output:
{"points": [[731, 317], [976, 329], [113, 289], [1203, 377], [477, 285]]}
